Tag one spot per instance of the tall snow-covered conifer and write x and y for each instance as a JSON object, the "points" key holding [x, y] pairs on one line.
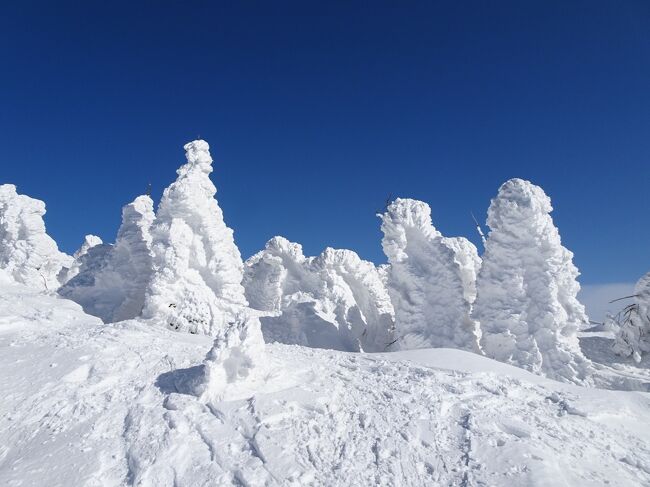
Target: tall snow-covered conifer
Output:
{"points": [[527, 288], [27, 253], [430, 280]]}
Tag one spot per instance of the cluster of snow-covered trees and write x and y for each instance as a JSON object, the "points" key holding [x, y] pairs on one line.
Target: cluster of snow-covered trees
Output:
{"points": [[180, 268]]}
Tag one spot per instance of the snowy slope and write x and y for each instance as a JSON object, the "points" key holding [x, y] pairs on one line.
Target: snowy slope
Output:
{"points": [[85, 403]]}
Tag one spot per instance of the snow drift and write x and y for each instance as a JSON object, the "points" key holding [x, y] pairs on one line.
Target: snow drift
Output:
{"points": [[111, 280], [527, 288], [27, 253], [335, 300], [431, 280]]}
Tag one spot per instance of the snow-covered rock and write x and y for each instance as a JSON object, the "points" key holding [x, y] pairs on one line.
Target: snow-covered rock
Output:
{"points": [[335, 300], [431, 280], [196, 283], [527, 288], [111, 279], [633, 337], [27, 252]]}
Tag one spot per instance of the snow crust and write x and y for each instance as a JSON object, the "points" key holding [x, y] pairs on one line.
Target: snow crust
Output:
{"points": [[27, 252], [335, 300], [197, 268], [527, 289], [431, 280], [633, 337], [111, 280]]}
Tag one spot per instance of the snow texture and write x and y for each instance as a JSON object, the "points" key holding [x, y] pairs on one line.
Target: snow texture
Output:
{"points": [[196, 283], [27, 252], [633, 337], [527, 288], [431, 280], [88, 404], [335, 300], [111, 280]]}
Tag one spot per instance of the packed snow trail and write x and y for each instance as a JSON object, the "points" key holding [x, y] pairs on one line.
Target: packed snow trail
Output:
{"points": [[104, 405]]}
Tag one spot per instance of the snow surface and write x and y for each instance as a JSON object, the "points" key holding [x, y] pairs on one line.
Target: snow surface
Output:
{"points": [[431, 280], [527, 289], [27, 252], [335, 300], [89, 404]]}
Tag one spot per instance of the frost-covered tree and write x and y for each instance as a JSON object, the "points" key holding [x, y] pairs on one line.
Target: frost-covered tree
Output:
{"points": [[527, 288], [196, 283], [27, 253], [431, 280], [89, 242], [335, 300], [112, 279], [633, 337]]}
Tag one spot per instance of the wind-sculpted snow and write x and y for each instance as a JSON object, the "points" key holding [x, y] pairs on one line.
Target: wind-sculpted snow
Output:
{"points": [[88, 404], [111, 280], [633, 338], [430, 280], [196, 283], [335, 300], [27, 252], [527, 288]]}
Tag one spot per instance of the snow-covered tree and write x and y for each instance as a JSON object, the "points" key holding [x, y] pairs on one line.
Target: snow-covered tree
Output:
{"points": [[335, 300], [89, 242], [633, 337], [527, 288], [196, 283], [431, 280], [112, 279], [27, 253]]}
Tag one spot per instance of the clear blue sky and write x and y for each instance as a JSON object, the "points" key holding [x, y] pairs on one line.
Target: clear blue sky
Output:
{"points": [[316, 111]]}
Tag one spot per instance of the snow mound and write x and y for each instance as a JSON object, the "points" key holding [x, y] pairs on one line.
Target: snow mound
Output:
{"points": [[27, 252], [633, 337], [431, 280], [335, 300], [91, 404], [111, 280], [196, 282], [527, 288]]}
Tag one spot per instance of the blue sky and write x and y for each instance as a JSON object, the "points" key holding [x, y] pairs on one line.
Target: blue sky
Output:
{"points": [[317, 111]]}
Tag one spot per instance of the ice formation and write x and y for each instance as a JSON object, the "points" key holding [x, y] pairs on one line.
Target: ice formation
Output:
{"points": [[633, 337], [111, 279], [335, 300], [527, 288], [27, 253], [431, 280]]}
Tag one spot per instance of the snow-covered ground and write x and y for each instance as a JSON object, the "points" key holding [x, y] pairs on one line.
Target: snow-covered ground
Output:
{"points": [[84, 403]]}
